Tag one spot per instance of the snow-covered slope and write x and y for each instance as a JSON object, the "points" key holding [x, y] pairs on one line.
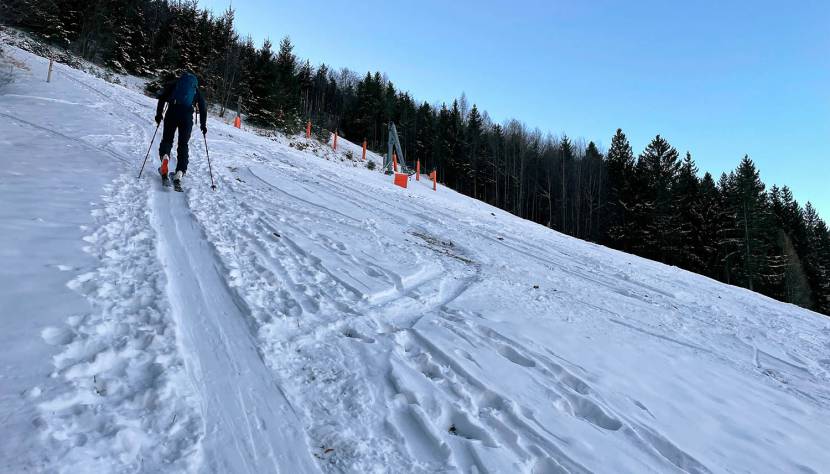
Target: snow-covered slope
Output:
{"points": [[310, 316]]}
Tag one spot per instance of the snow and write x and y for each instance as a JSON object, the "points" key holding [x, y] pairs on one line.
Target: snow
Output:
{"points": [[309, 316]]}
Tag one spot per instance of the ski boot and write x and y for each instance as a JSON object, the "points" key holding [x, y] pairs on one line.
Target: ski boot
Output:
{"points": [[163, 170], [177, 181]]}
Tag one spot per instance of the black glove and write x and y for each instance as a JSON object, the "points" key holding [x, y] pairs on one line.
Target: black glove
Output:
{"points": [[158, 119], [204, 129]]}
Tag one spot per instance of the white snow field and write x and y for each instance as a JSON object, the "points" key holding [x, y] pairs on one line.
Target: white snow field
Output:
{"points": [[309, 316]]}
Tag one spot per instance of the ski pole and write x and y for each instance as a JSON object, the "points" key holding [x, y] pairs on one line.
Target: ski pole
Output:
{"points": [[148, 150], [163, 113], [210, 170]]}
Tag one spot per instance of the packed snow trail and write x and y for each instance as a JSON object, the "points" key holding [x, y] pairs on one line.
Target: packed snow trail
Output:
{"points": [[250, 426], [309, 315], [129, 373], [114, 383]]}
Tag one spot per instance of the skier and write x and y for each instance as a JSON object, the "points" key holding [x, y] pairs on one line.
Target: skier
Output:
{"points": [[181, 95]]}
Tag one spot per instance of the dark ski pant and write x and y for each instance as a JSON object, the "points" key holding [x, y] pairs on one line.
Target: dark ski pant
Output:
{"points": [[181, 119]]}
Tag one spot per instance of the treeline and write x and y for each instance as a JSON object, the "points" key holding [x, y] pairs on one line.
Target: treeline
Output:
{"points": [[654, 204]]}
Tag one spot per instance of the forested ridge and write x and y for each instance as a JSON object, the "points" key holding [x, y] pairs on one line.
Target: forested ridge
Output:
{"points": [[732, 228]]}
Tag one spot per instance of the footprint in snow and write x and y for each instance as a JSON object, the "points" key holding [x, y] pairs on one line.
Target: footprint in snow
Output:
{"points": [[32, 393], [353, 334], [513, 356], [57, 336], [462, 426]]}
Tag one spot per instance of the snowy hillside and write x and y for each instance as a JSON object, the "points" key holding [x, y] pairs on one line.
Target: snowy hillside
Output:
{"points": [[309, 316]]}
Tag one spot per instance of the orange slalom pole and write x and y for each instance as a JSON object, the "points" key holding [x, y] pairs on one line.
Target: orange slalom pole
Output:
{"points": [[308, 129], [418, 170], [394, 162], [435, 180], [364, 150], [335, 140]]}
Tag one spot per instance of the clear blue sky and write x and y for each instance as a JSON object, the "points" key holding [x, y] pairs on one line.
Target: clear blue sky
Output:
{"points": [[717, 78]]}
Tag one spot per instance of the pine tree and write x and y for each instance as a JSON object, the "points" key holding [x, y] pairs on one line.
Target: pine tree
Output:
{"points": [[791, 244], [44, 18], [593, 188], [182, 51], [390, 104], [455, 148], [424, 136], [566, 161], [729, 235], [817, 258], [304, 80], [441, 150], [288, 88], [248, 56], [712, 218], [494, 193], [473, 141], [224, 65], [750, 236], [365, 118], [617, 223], [686, 220], [263, 103], [406, 118], [656, 170], [128, 48]]}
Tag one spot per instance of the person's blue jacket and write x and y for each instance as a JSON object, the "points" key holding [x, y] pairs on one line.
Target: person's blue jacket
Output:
{"points": [[166, 95]]}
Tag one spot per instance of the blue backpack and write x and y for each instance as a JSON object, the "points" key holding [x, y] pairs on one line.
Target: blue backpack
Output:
{"points": [[185, 90]]}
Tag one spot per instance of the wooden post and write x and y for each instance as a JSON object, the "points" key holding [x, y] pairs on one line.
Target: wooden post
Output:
{"points": [[418, 170], [308, 129], [49, 74], [364, 149], [334, 145]]}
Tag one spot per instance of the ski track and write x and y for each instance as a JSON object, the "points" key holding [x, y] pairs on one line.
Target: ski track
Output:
{"points": [[125, 374], [298, 321], [249, 428], [249, 425]]}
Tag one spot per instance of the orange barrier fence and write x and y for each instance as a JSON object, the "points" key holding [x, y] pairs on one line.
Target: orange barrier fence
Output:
{"points": [[401, 179]]}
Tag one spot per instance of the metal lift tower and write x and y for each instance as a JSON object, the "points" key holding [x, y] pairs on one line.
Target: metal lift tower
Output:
{"points": [[394, 146]]}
